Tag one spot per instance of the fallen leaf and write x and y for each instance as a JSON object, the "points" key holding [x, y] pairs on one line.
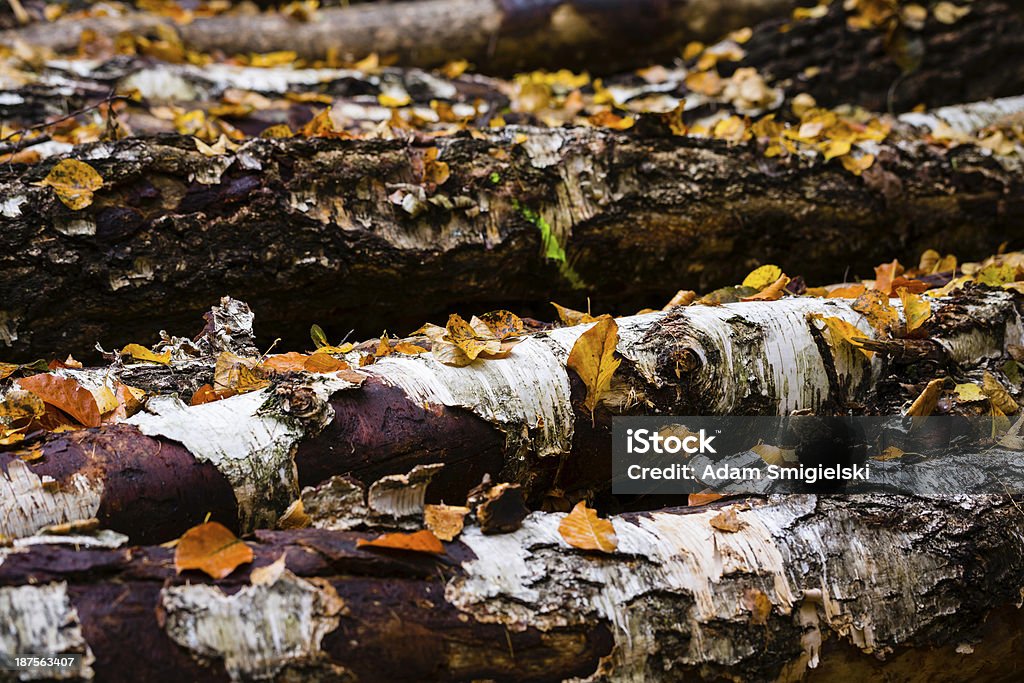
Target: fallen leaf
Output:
{"points": [[697, 499], [885, 274], [423, 541], [847, 292], [324, 362], [772, 292], [947, 13], [684, 297], [469, 341], [206, 394], [998, 394], [66, 394], [211, 548], [593, 359], [316, 333], [445, 520], [583, 529], [759, 278], [969, 393], [773, 455], [727, 521], [857, 165], [569, 317], [236, 374], [841, 332], [285, 362], [503, 324], [924, 405], [20, 406], [916, 309], [140, 352], [409, 349], [875, 306], [7, 369], [890, 453], [74, 182]]}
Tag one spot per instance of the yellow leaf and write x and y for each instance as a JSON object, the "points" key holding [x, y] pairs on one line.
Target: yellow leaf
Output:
{"points": [[503, 324], [969, 392], [140, 352], [998, 394], [841, 332], [875, 306], [890, 453], [460, 333], [74, 182], [593, 359], [583, 529], [234, 373], [759, 278], [924, 405], [772, 292], [916, 309], [857, 165], [570, 317]]}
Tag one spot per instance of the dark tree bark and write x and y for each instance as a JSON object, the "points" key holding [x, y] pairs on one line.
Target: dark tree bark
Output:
{"points": [[350, 232], [781, 597], [979, 56]]}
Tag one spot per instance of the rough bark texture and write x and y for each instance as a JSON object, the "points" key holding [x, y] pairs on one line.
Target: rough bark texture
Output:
{"points": [[519, 418], [309, 230], [496, 35], [783, 598], [979, 56]]}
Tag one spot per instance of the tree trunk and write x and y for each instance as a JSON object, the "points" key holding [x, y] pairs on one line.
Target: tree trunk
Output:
{"points": [[779, 599], [498, 36], [243, 459], [291, 224]]}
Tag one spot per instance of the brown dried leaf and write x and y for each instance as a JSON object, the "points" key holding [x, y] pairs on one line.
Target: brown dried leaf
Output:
{"points": [[211, 548], [885, 274], [423, 541], [66, 394], [569, 317], [583, 529], [236, 374], [727, 521], [324, 362], [998, 394], [285, 362]]}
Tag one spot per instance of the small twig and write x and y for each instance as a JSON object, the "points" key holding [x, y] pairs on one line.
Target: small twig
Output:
{"points": [[22, 142]]}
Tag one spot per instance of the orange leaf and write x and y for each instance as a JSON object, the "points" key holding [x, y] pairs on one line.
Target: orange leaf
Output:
{"points": [[323, 362], [772, 292], [885, 274], [423, 541], [583, 529], [207, 394], [286, 362], [503, 324], [66, 394], [847, 292], [211, 548], [695, 499], [727, 521]]}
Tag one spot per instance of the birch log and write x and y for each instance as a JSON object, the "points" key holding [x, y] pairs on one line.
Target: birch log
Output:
{"points": [[521, 418], [807, 589], [349, 230]]}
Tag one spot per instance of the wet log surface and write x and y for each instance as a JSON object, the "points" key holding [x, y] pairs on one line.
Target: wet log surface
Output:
{"points": [[781, 597], [350, 232]]}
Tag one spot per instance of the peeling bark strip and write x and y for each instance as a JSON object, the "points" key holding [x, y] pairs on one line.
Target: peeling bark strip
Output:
{"points": [[495, 35], [783, 598], [286, 221], [517, 416]]}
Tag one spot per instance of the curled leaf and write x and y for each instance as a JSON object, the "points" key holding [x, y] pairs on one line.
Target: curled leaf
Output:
{"points": [[772, 292], [841, 332], [66, 394], [759, 278], [140, 352], [998, 394], [916, 309]]}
